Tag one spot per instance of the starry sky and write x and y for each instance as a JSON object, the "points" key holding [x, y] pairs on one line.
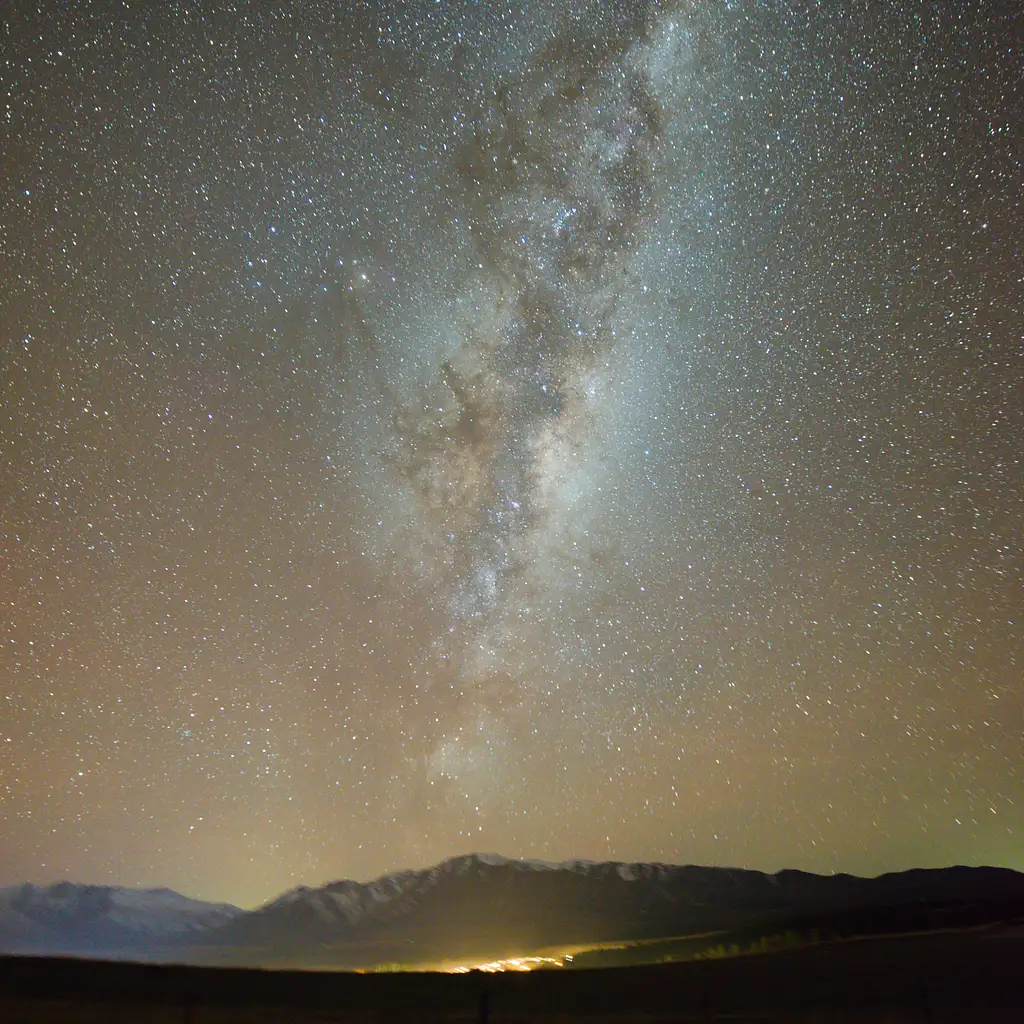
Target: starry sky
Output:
{"points": [[568, 429]]}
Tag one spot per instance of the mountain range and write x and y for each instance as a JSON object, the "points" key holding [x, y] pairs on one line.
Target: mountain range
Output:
{"points": [[483, 905]]}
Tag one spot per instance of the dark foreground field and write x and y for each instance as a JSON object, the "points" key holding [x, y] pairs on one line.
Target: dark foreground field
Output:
{"points": [[966, 976]]}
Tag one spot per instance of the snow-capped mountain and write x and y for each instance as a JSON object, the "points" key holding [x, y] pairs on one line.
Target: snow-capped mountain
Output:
{"points": [[484, 905], [489, 904], [65, 917]]}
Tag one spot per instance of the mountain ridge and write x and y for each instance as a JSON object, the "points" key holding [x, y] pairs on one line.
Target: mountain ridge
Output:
{"points": [[482, 905], [67, 916]]}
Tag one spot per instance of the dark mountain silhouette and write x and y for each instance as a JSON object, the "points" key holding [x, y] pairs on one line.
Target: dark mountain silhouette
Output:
{"points": [[486, 905]]}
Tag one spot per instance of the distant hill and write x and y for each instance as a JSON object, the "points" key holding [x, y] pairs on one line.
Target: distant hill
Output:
{"points": [[484, 905], [68, 918]]}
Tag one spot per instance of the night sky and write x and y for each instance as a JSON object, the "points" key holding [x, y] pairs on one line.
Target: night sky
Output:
{"points": [[564, 429]]}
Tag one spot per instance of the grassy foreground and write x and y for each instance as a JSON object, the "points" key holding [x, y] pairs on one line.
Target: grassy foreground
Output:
{"points": [[971, 975]]}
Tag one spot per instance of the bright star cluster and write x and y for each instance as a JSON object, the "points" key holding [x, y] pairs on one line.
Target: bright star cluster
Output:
{"points": [[570, 429]]}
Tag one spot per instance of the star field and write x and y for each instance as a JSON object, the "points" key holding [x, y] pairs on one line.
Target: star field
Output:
{"points": [[567, 429]]}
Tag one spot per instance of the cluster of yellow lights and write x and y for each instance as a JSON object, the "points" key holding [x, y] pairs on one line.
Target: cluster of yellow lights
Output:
{"points": [[512, 963]]}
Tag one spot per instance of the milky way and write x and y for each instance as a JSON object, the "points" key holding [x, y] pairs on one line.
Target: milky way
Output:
{"points": [[571, 430], [560, 176]]}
